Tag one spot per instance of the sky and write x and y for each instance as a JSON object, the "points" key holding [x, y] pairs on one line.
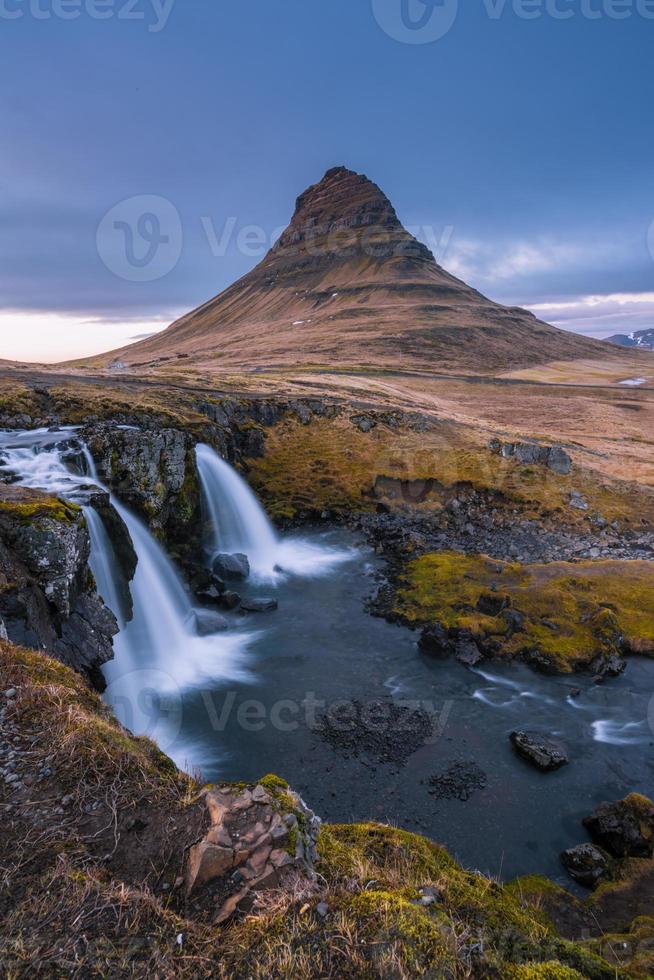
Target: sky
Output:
{"points": [[151, 150]]}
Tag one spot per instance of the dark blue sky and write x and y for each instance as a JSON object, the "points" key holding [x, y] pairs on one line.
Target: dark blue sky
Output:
{"points": [[520, 148]]}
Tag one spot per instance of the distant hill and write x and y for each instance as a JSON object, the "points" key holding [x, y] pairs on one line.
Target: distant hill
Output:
{"points": [[347, 285], [643, 339]]}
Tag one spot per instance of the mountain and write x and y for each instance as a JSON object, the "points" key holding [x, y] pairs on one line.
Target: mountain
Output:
{"points": [[642, 339], [347, 285]]}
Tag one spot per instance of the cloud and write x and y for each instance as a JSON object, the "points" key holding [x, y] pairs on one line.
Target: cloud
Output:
{"points": [[600, 315], [51, 337], [477, 260]]}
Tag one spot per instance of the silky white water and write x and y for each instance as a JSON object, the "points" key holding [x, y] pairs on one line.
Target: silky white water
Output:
{"points": [[158, 653], [237, 523]]}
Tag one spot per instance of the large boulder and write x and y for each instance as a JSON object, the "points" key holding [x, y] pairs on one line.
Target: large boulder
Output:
{"points": [[48, 599], [625, 828], [542, 752], [259, 837], [232, 568], [259, 605], [586, 863], [530, 453]]}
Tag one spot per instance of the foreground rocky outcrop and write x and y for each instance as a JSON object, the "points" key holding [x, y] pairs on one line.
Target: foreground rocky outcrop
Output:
{"points": [[108, 869], [47, 594]]}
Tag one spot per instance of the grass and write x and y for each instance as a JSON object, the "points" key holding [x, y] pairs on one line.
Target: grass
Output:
{"points": [[572, 612]]}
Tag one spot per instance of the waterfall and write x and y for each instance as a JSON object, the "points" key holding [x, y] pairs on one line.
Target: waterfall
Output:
{"points": [[238, 523], [158, 654]]}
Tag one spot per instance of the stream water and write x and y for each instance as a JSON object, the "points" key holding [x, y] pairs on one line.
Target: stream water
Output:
{"points": [[241, 702]]}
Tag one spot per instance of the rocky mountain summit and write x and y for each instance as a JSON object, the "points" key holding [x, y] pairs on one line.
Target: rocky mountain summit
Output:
{"points": [[347, 284]]}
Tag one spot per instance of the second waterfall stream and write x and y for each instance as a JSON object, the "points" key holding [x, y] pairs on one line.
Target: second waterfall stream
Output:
{"points": [[167, 646], [237, 522]]}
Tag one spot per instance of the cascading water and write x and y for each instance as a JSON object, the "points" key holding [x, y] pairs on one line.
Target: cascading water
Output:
{"points": [[237, 523], [158, 653]]}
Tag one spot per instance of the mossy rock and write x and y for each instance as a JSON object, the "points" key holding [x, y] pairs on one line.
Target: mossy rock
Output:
{"points": [[572, 613]]}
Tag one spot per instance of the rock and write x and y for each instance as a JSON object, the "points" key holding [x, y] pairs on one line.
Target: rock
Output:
{"points": [[363, 422], [229, 906], [230, 600], [206, 862], [493, 603], [243, 851], [50, 602], [118, 533], [260, 795], [468, 653], [10, 693], [528, 452], [608, 665], [577, 501], [259, 605], [208, 622], [435, 641], [3, 631], [625, 828], [429, 895], [209, 595], [559, 461], [152, 470], [322, 909], [232, 567], [542, 752], [586, 863]]}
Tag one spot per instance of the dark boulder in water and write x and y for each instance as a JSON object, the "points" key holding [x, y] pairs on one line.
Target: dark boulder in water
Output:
{"points": [[259, 605], [586, 863], [542, 752], [232, 567], [625, 828], [230, 600]]}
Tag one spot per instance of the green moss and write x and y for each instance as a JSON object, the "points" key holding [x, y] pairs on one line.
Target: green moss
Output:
{"points": [[554, 970], [27, 511], [273, 782], [572, 612], [386, 918]]}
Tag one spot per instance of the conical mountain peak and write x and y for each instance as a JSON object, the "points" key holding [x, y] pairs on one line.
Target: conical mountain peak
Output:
{"points": [[346, 284], [345, 212]]}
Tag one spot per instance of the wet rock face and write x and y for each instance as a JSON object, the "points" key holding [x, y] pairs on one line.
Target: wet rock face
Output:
{"points": [[47, 595], [542, 752], [625, 828], [152, 471], [255, 842]]}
